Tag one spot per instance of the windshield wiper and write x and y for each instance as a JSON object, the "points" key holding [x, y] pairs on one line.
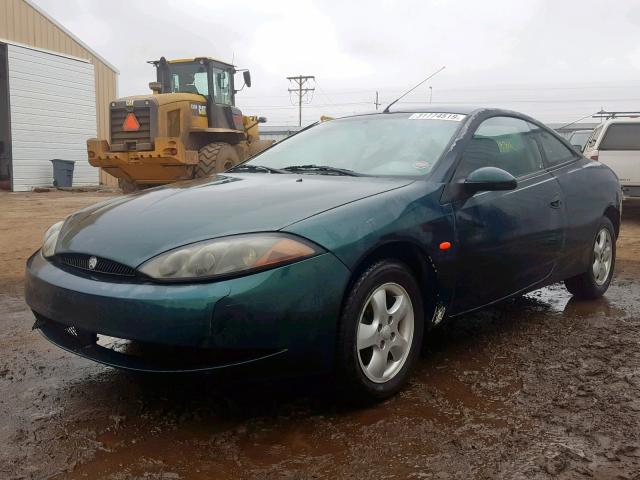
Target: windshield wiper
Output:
{"points": [[322, 169], [248, 167]]}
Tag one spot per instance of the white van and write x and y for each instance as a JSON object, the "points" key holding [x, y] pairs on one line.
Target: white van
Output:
{"points": [[616, 143]]}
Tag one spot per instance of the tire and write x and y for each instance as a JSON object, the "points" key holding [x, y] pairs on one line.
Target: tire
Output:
{"points": [[593, 284], [214, 158], [358, 366]]}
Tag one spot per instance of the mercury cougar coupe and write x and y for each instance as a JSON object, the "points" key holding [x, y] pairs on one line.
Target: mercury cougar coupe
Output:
{"points": [[335, 250]]}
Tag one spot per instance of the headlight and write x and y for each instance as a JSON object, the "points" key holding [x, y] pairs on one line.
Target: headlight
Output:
{"points": [[228, 256], [50, 239]]}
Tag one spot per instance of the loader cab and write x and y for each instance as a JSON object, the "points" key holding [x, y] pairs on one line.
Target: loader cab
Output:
{"points": [[208, 77]]}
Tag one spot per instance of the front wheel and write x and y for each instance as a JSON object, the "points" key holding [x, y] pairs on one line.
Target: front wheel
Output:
{"points": [[380, 332], [595, 281], [215, 158]]}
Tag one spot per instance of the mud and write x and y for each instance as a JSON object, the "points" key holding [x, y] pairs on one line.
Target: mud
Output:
{"points": [[539, 387]]}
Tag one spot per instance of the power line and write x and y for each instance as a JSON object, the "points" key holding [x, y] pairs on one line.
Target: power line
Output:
{"points": [[490, 88], [331, 102], [315, 105], [301, 81]]}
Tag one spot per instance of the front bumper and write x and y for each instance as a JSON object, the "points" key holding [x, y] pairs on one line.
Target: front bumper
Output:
{"points": [[169, 161], [288, 312]]}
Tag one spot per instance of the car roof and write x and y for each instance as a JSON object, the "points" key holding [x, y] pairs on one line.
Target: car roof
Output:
{"points": [[428, 107], [442, 108]]}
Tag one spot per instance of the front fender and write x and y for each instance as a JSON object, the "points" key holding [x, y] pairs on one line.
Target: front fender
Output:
{"points": [[411, 214]]}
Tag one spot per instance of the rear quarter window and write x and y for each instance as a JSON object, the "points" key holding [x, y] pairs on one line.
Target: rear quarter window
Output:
{"points": [[621, 136], [554, 150]]}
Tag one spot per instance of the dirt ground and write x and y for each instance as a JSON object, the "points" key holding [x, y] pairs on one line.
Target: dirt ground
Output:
{"points": [[541, 386]]}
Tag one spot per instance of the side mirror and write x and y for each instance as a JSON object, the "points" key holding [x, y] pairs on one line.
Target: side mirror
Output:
{"points": [[246, 75], [489, 179], [577, 148]]}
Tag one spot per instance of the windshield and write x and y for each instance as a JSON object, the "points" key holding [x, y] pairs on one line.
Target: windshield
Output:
{"points": [[189, 77], [580, 138], [387, 144]]}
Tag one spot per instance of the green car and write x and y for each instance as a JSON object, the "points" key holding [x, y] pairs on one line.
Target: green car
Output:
{"points": [[335, 250]]}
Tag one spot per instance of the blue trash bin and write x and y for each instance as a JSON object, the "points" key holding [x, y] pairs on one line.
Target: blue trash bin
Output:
{"points": [[62, 172]]}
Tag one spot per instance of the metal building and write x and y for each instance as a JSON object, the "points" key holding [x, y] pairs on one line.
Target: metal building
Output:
{"points": [[276, 133], [54, 95]]}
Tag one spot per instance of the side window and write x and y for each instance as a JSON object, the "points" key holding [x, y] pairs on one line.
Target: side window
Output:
{"points": [[175, 82], [503, 142], [554, 150], [200, 82], [222, 86]]}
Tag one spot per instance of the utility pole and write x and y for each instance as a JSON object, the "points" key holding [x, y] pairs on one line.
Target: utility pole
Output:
{"points": [[430, 93], [301, 81], [377, 103]]}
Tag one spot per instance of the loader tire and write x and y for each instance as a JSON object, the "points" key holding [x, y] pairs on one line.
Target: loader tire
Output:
{"points": [[214, 158]]}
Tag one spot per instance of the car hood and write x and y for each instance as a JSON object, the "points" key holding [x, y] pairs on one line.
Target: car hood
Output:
{"points": [[133, 228]]}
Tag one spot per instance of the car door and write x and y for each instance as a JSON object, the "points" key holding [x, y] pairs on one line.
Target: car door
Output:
{"points": [[507, 241], [584, 200]]}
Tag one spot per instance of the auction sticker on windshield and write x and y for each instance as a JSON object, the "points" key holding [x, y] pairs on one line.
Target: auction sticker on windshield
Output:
{"points": [[454, 117]]}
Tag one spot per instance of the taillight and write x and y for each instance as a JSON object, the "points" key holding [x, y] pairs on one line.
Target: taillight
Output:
{"points": [[594, 157]]}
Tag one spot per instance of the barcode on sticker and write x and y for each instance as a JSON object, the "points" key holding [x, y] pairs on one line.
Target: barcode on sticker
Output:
{"points": [[454, 117]]}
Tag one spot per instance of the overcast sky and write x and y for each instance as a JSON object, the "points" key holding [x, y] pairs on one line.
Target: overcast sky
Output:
{"points": [[555, 60]]}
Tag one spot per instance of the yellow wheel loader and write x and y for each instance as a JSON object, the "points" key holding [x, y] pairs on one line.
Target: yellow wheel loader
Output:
{"points": [[188, 128]]}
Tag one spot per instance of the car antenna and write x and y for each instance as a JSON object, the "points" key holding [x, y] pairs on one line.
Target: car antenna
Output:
{"points": [[386, 110]]}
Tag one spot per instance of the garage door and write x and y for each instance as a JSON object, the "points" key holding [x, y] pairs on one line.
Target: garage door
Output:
{"points": [[53, 113]]}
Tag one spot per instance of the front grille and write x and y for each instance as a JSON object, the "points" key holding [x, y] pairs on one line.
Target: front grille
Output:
{"points": [[102, 265], [141, 139]]}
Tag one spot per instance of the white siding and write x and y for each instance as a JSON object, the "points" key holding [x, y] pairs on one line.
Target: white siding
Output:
{"points": [[53, 113]]}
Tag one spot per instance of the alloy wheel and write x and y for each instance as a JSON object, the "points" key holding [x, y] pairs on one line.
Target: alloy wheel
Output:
{"points": [[602, 256], [385, 332]]}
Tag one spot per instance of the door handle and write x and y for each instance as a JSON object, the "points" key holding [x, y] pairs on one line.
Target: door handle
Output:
{"points": [[555, 203]]}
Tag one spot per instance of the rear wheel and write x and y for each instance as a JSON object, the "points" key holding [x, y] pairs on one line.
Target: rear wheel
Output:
{"points": [[380, 332], [214, 158], [595, 281]]}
